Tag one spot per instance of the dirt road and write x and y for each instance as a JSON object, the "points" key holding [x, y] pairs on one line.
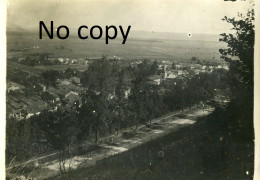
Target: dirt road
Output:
{"points": [[124, 141]]}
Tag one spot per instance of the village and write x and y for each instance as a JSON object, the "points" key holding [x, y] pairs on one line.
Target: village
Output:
{"points": [[66, 92]]}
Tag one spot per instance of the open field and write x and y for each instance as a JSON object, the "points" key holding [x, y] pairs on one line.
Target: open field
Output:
{"points": [[177, 47], [37, 70], [62, 67], [13, 66]]}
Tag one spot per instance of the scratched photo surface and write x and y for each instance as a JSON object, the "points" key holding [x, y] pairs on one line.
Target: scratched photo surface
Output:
{"points": [[130, 89]]}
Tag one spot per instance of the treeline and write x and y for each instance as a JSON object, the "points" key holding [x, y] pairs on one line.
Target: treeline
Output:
{"points": [[38, 59], [230, 142], [236, 123], [116, 97]]}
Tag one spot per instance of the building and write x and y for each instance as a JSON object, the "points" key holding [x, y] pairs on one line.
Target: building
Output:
{"points": [[61, 60], [171, 76], [155, 79], [34, 106], [74, 61], [71, 99], [65, 82], [11, 86], [75, 80], [43, 87], [17, 108]]}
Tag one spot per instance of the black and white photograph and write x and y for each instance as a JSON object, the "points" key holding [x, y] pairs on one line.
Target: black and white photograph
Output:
{"points": [[129, 90]]}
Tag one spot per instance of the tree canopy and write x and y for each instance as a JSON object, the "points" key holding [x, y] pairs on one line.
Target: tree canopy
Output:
{"points": [[240, 48]]}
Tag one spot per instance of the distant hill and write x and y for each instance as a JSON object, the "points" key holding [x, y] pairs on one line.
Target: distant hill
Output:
{"points": [[151, 35], [173, 36]]}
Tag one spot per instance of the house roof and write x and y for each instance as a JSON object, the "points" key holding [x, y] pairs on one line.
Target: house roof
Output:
{"points": [[35, 105], [174, 71], [179, 65], [54, 91], [34, 109], [11, 84], [197, 65], [70, 87], [65, 82], [71, 96], [55, 95], [154, 77], [62, 92], [15, 99], [71, 93], [75, 79], [171, 76], [16, 106]]}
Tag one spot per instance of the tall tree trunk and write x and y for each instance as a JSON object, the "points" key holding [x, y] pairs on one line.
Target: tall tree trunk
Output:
{"points": [[136, 119], [96, 132], [96, 136], [119, 122]]}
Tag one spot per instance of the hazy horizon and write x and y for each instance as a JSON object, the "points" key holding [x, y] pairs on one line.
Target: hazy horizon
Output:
{"points": [[191, 16]]}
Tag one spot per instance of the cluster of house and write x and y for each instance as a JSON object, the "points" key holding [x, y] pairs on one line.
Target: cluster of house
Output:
{"points": [[12, 86], [21, 108], [66, 92], [61, 60], [181, 70]]}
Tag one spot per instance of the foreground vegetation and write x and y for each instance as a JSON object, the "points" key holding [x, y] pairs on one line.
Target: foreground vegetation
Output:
{"points": [[189, 153], [221, 147]]}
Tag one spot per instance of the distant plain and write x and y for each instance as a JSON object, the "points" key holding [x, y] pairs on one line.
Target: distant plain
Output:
{"points": [[139, 45]]}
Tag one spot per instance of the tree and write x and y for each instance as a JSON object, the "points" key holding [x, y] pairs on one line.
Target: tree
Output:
{"points": [[138, 97], [47, 97], [240, 51], [144, 69], [173, 66], [193, 58], [61, 130], [100, 79], [240, 56], [154, 67], [120, 94], [44, 58], [70, 72], [50, 77]]}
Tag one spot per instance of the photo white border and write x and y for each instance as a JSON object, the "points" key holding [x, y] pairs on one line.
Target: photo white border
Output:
{"points": [[3, 13], [257, 91]]}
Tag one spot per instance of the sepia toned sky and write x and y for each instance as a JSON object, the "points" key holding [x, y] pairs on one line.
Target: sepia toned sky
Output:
{"points": [[182, 16]]}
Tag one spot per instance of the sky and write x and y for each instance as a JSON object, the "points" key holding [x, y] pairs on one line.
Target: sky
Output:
{"points": [[179, 16]]}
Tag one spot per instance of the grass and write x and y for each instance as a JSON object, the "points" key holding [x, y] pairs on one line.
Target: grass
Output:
{"points": [[190, 153], [62, 67]]}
